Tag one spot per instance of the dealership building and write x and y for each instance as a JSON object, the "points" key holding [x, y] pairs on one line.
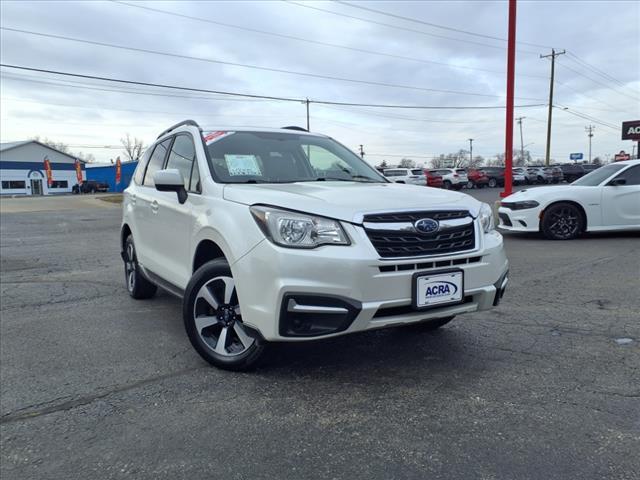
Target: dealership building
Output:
{"points": [[23, 171]]}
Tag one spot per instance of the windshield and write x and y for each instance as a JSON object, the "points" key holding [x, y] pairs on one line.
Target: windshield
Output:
{"points": [[598, 176], [274, 157]]}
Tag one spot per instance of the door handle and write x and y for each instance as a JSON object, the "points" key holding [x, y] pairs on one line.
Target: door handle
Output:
{"points": [[154, 206]]}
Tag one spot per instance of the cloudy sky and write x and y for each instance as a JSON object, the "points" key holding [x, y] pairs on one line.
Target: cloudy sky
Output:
{"points": [[439, 54]]}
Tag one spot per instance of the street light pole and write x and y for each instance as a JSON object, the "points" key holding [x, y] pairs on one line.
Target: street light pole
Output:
{"points": [[361, 152], [470, 151]]}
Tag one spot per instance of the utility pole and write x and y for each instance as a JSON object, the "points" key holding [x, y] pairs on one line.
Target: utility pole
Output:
{"points": [[553, 56], [308, 128], [589, 131], [470, 151], [361, 152], [519, 120]]}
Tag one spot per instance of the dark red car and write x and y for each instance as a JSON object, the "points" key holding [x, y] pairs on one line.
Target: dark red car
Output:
{"points": [[477, 178], [432, 179]]}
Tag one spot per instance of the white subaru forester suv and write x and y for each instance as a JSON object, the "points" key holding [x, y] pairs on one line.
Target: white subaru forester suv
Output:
{"points": [[285, 235]]}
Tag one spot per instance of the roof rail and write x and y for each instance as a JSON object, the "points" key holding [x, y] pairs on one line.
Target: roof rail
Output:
{"points": [[184, 122], [293, 127]]}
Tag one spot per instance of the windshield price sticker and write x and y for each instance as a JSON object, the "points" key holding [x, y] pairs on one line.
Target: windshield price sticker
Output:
{"points": [[243, 165], [210, 137]]}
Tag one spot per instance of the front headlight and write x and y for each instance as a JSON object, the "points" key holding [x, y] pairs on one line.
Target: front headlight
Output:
{"points": [[298, 230], [523, 205], [486, 218]]}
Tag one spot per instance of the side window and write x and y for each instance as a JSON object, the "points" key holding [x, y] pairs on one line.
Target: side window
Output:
{"points": [[142, 164], [631, 175], [155, 162], [182, 157]]}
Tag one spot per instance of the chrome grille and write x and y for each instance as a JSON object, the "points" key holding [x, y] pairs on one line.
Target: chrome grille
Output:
{"points": [[393, 234]]}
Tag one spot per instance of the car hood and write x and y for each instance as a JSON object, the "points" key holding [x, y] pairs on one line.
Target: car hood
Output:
{"points": [[348, 201], [540, 193]]}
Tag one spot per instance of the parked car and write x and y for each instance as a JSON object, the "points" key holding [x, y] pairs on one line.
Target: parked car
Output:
{"points": [[452, 178], [283, 235], [406, 175], [518, 176], [495, 176], [590, 167], [607, 199], [432, 179], [556, 174], [571, 171], [542, 175], [477, 178], [90, 186], [529, 177]]}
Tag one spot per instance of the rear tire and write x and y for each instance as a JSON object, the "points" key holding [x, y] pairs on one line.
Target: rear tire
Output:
{"points": [[492, 183], [562, 221], [213, 321], [431, 325], [137, 285], [446, 185]]}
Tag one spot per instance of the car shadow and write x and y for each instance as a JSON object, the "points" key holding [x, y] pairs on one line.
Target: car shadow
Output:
{"points": [[402, 351]]}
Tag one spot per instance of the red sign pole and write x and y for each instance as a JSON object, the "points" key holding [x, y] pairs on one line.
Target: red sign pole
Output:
{"points": [[511, 67]]}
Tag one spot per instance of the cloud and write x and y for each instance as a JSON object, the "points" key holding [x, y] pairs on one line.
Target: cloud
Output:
{"points": [[604, 34]]}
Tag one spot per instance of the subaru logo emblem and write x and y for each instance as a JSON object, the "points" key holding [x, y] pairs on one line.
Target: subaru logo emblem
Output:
{"points": [[426, 225]]}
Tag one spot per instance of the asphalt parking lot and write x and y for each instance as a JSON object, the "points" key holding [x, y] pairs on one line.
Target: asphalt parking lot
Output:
{"points": [[97, 385]]}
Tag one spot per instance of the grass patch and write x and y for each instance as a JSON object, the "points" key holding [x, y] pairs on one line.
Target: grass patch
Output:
{"points": [[111, 198]]}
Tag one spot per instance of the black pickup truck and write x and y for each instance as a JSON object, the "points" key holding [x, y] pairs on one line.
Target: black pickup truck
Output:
{"points": [[90, 186], [571, 171]]}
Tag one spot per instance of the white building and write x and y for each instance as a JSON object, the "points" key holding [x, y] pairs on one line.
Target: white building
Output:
{"points": [[22, 169]]}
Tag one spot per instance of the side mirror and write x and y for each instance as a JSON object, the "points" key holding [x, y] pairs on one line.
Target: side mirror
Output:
{"points": [[618, 181], [170, 180]]}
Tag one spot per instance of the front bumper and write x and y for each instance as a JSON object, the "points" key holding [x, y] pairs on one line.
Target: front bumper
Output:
{"points": [[527, 220], [269, 276]]}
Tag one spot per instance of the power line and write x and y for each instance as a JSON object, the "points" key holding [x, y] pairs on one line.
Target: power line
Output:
{"points": [[588, 117], [597, 81], [318, 42], [435, 25], [248, 95], [256, 67], [421, 32], [588, 66]]}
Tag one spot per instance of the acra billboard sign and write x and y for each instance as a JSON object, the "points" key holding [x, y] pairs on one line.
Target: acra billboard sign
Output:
{"points": [[631, 130]]}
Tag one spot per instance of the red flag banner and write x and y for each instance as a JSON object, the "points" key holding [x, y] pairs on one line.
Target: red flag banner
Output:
{"points": [[47, 169], [78, 171], [118, 171]]}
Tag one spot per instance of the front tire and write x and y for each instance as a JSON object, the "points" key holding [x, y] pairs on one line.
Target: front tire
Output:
{"points": [[137, 285], [213, 321], [562, 221], [446, 185], [493, 183]]}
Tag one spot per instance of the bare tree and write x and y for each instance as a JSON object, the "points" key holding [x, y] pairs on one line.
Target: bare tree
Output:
{"points": [[597, 161], [407, 163], [132, 147], [63, 147], [383, 164]]}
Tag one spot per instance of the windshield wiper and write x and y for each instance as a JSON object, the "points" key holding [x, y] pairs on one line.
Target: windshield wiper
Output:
{"points": [[352, 179]]}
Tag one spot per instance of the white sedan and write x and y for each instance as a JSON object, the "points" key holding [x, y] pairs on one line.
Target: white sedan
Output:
{"points": [[607, 199]]}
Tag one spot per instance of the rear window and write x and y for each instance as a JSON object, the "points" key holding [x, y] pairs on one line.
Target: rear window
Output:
{"points": [[395, 173], [417, 171], [461, 171]]}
